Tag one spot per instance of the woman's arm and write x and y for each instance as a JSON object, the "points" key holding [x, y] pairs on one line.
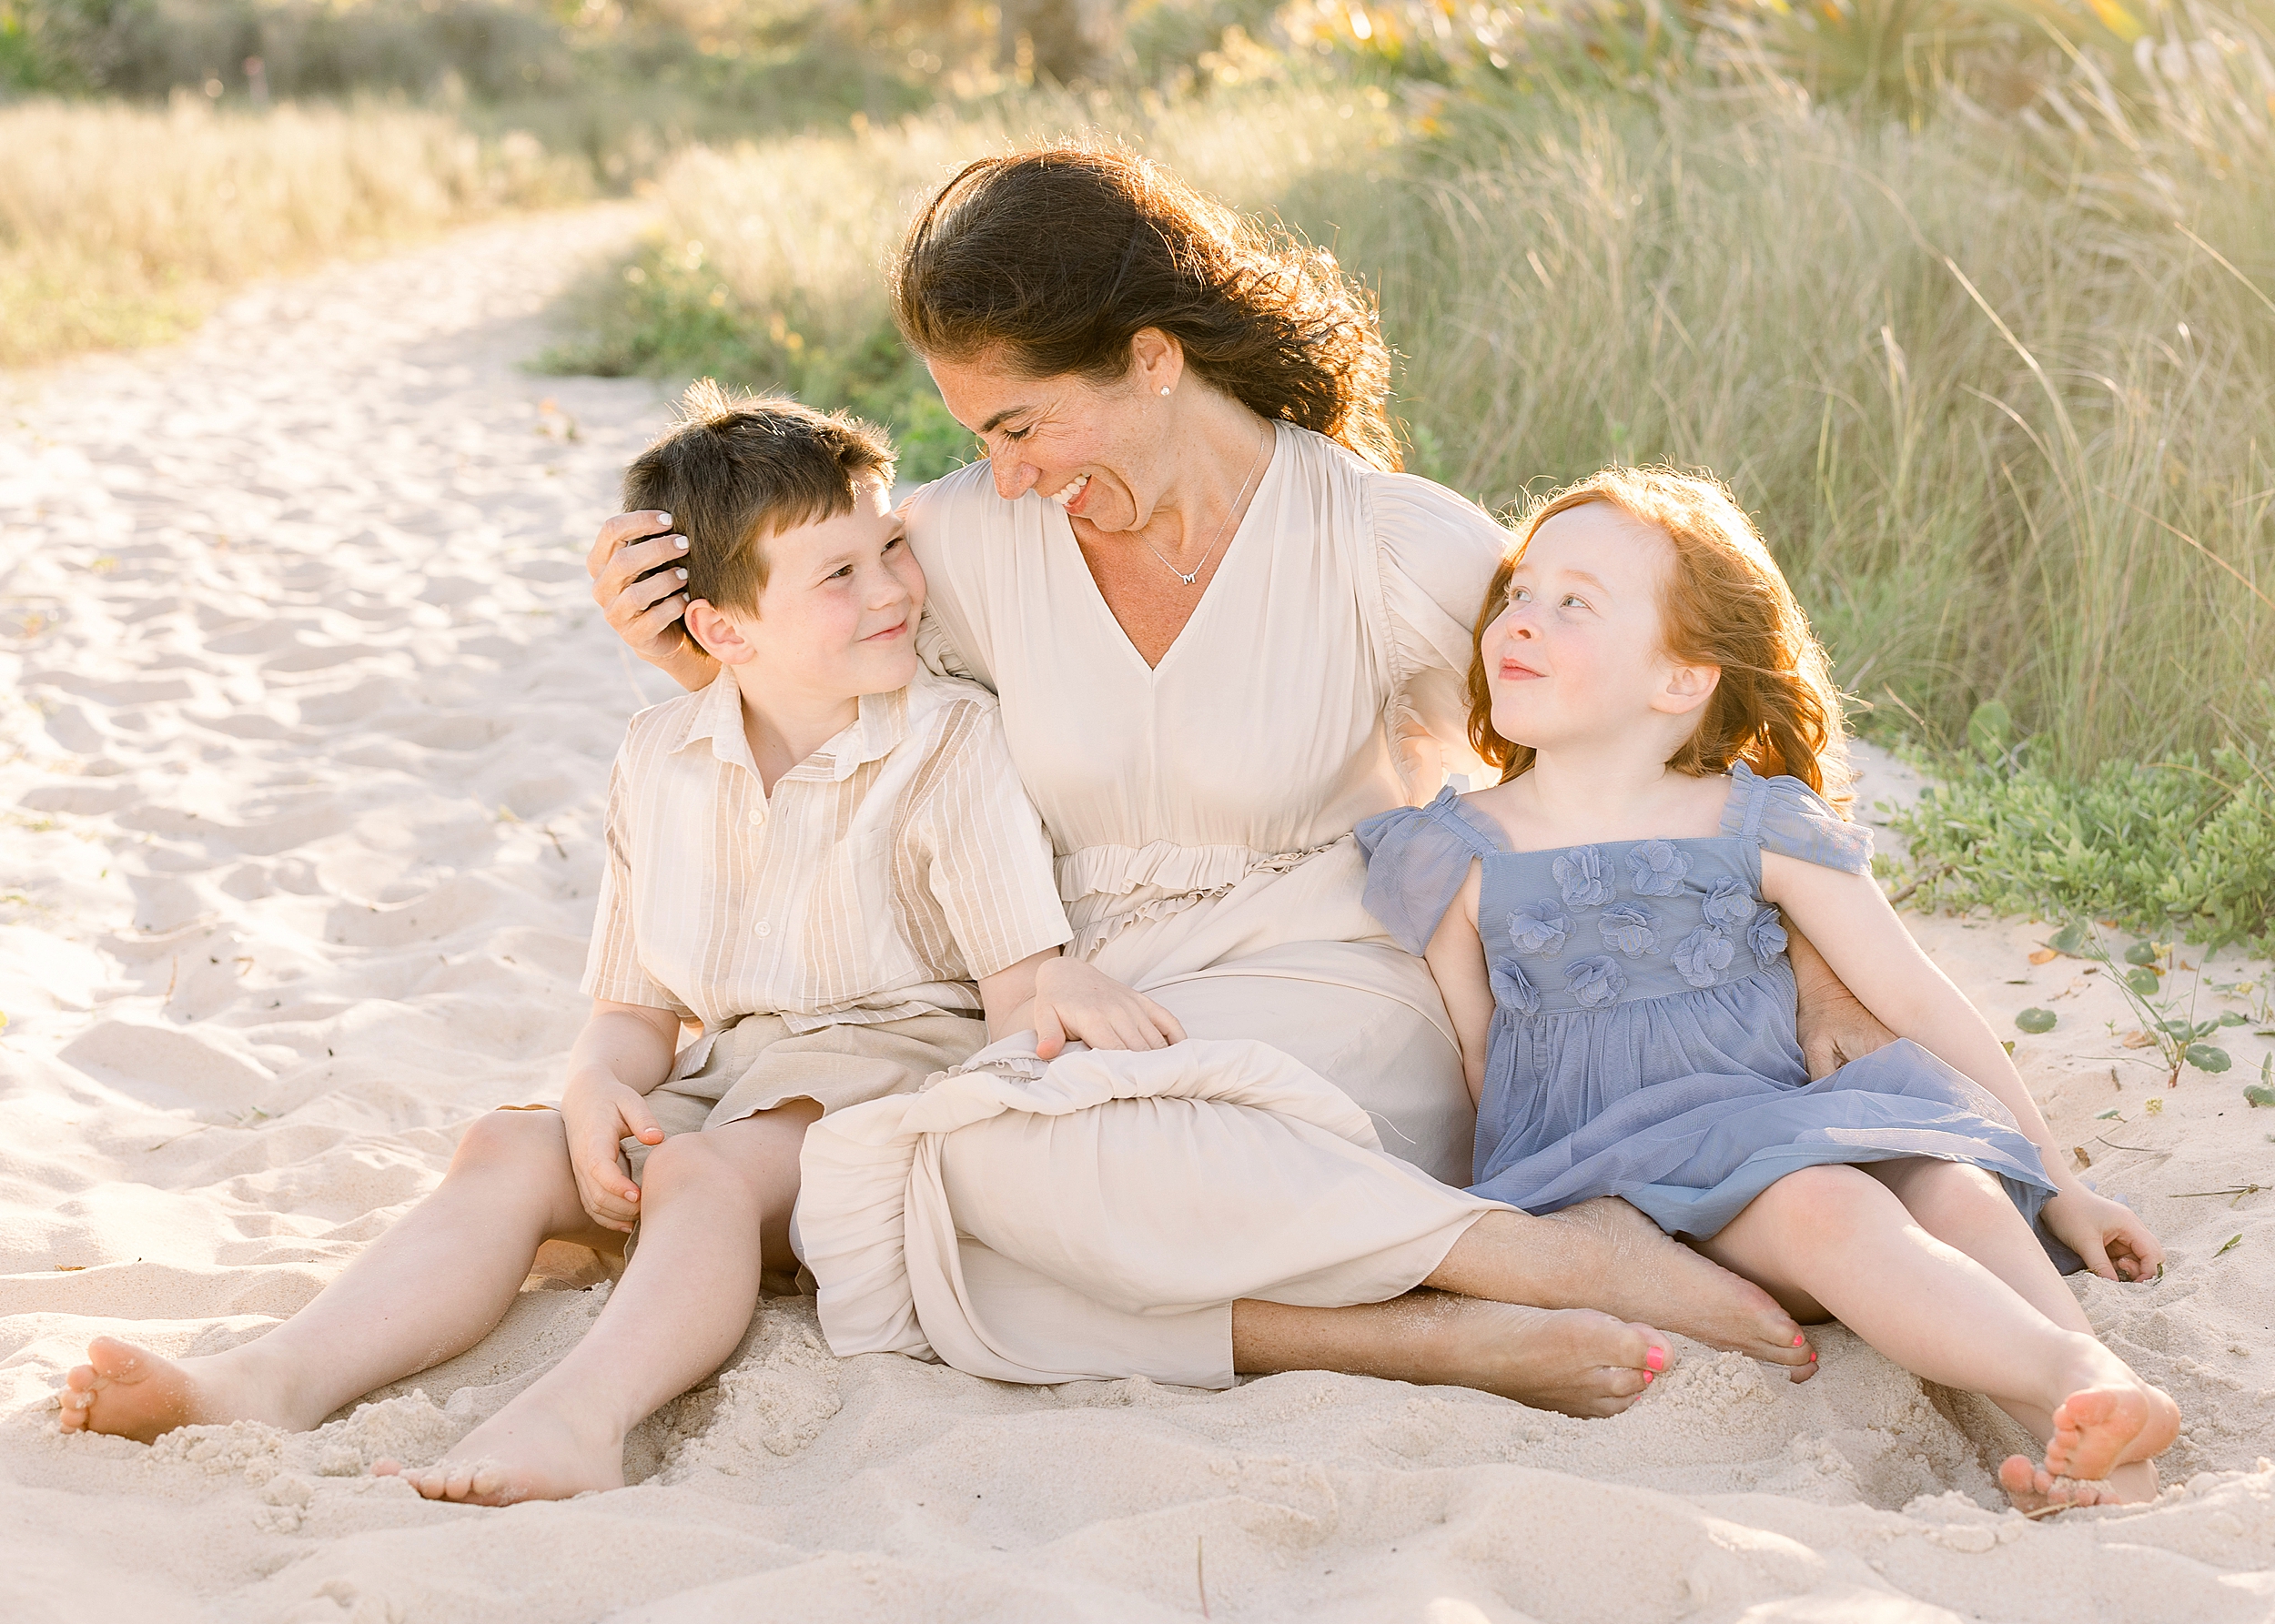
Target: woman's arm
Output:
{"points": [[646, 613], [1456, 957], [1061, 998], [1834, 1028], [1867, 946]]}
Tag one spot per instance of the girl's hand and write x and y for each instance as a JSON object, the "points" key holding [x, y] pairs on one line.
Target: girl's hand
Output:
{"points": [[1074, 999], [2108, 1235], [599, 1112], [646, 613]]}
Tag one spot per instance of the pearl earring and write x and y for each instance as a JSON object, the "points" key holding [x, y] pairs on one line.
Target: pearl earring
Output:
{"points": [[1165, 389]]}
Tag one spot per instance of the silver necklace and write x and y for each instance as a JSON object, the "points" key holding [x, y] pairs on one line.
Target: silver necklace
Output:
{"points": [[1188, 580]]}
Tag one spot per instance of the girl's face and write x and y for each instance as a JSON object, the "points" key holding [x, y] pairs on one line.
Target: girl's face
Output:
{"points": [[1097, 450], [1576, 654]]}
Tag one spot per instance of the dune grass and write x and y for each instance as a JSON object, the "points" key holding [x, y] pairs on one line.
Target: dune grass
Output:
{"points": [[119, 225]]}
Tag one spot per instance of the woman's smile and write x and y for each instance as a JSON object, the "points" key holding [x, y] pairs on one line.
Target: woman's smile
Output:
{"points": [[1070, 495]]}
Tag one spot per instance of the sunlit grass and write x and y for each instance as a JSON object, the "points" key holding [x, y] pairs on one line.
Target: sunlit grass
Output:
{"points": [[119, 226]]}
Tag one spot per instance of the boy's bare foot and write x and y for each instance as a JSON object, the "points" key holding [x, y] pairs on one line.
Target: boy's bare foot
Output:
{"points": [[1575, 1361], [527, 1451], [2101, 1427], [1627, 1265], [130, 1392]]}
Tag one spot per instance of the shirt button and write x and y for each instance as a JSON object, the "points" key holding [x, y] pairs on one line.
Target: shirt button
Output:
{"points": [[762, 928], [758, 814]]}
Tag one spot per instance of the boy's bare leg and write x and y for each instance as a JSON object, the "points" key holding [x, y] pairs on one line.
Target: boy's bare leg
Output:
{"points": [[432, 1286], [714, 1210]]}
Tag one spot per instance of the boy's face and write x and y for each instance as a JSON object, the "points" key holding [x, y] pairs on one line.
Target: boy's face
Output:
{"points": [[838, 617]]}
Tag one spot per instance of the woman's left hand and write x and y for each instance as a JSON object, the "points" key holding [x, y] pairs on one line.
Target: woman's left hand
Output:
{"points": [[2108, 1235], [1076, 1000]]}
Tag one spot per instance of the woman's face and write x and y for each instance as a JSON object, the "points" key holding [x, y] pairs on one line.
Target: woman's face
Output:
{"points": [[1098, 450]]}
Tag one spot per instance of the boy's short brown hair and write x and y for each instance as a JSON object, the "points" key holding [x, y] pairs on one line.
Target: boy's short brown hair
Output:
{"points": [[734, 470]]}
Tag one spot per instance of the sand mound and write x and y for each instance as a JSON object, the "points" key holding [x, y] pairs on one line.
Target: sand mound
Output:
{"points": [[308, 720]]}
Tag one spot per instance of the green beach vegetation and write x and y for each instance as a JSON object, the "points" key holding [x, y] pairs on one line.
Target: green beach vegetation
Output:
{"points": [[1971, 301]]}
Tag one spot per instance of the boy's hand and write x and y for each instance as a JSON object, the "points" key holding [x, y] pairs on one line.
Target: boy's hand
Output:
{"points": [[2108, 1235], [1074, 999], [598, 1112]]}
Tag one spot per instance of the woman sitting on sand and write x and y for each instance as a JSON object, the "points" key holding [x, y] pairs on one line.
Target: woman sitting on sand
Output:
{"points": [[1223, 630], [1604, 925]]}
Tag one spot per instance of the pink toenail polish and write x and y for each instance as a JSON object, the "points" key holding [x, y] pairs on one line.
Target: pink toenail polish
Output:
{"points": [[1655, 1360], [1798, 1341], [1649, 1378]]}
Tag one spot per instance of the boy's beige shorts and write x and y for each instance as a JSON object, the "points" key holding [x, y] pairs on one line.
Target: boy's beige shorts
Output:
{"points": [[759, 1063]]}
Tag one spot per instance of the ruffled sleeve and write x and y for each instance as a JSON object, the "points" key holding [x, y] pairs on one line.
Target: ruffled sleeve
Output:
{"points": [[1785, 815], [1417, 857], [1437, 553]]}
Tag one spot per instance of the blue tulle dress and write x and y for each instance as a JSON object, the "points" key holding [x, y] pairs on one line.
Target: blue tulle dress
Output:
{"points": [[1642, 1041]]}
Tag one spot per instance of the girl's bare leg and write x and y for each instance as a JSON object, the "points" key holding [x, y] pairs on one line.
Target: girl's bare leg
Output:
{"points": [[1966, 1209], [431, 1288], [1837, 1241], [714, 1211]]}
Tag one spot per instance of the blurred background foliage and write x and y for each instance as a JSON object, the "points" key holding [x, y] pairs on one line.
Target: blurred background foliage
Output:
{"points": [[1972, 301]]}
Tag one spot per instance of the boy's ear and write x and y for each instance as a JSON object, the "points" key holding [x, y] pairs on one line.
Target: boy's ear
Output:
{"points": [[1687, 687], [718, 634]]}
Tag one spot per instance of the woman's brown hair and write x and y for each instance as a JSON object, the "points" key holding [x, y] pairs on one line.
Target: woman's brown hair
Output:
{"points": [[1059, 256], [1726, 604]]}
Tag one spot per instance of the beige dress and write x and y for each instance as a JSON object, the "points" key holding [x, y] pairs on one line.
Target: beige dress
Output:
{"points": [[1201, 813]]}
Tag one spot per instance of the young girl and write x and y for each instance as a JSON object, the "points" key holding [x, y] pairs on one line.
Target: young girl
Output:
{"points": [[1604, 924]]}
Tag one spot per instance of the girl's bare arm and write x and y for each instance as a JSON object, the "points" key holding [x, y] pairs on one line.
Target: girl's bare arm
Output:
{"points": [[1456, 957]]}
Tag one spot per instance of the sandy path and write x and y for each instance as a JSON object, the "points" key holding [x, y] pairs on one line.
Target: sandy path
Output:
{"points": [[307, 722]]}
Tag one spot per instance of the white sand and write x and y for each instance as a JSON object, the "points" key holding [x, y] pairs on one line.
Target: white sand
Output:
{"points": [[308, 721]]}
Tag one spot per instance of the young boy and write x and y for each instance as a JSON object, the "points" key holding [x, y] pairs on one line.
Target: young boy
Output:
{"points": [[827, 859]]}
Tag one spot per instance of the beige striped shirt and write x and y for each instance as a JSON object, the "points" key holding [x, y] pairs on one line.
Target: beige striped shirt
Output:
{"points": [[889, 869]]}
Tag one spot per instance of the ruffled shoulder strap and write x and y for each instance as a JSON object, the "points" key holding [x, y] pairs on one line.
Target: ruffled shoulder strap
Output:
{"points": [[1417, 857], [1786, 816]]}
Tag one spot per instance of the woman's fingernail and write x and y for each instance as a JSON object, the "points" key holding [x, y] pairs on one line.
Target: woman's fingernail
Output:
{"points": [[680, 543], [1655, 1359], [682, 574], [664, 518]]}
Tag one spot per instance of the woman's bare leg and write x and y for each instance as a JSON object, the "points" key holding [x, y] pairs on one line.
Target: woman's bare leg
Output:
{"points": [[1607, 1255], [714, 1211], [431, 1288], [1577, 1361], [1836, 1240]]}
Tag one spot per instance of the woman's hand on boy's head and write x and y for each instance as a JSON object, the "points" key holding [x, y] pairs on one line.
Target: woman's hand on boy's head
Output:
{"points": [[647, 613], [599, 1115], [2108, 1235], [1075, 999]]}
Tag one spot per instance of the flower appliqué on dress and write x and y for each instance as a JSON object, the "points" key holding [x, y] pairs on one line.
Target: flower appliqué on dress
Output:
{"points": [[1703, 955], [1595, 983], [1629, 928], [1539, 928], [1656, 868], [1766, 936], [1580, 875], [1730, 905], [1512, 989]]}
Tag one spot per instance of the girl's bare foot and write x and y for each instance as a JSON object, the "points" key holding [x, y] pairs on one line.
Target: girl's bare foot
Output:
{"points": [[1627, 1265], [130, 1392], [527, 1451], [2036, 1492], [2101, 1427]]}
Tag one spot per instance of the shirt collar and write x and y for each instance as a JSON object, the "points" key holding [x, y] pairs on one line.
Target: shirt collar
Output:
{"points": [[717, 719]]}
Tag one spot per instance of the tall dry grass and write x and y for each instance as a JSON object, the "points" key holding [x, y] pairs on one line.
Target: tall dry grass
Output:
{"points": [[120, 225], [2001, 389]]}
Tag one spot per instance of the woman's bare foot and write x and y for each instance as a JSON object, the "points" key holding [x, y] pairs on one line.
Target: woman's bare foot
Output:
{"points": [[130, 1392], [1576, 1361], [1625, 1264], [527, 1451], [2100, 1428]]}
